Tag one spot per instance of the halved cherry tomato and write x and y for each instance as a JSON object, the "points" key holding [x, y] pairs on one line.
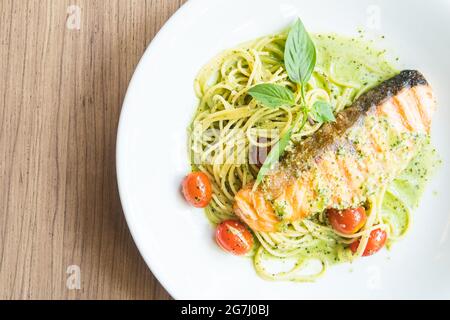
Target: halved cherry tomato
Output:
{"points": [[197, 189], [347, 221], [376, 241], [234, 237]]}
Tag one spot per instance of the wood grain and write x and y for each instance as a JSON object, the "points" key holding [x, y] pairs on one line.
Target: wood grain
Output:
{"points": [[61, 91]]}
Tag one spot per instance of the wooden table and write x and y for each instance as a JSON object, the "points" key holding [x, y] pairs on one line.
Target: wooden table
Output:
{"points": [[64, 69]]}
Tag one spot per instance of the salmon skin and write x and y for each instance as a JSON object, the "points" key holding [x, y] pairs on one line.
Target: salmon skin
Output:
{"points": [[345, 162]]}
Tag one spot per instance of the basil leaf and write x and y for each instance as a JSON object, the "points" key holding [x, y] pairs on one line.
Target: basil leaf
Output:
{"points": [[322, 111], [299, 54], [272, 95], [273, 156]]}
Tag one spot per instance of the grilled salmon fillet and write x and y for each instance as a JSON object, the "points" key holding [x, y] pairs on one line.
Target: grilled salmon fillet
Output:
{"points": [[346, 161]]}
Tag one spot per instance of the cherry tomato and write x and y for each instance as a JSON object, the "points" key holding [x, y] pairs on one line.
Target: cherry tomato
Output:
{"points": [[348, 221], [376, 241], [197, 189], [234, 237]]}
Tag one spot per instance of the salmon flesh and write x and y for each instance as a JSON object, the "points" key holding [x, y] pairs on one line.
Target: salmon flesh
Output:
{"points": [[347, 161]]}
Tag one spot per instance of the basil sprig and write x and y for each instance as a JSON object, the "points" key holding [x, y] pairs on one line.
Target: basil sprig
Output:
{"points": [[272, 95], [299, 59]]}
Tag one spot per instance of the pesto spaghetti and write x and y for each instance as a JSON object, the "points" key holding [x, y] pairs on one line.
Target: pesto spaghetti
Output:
{"points": [[229, 126]]}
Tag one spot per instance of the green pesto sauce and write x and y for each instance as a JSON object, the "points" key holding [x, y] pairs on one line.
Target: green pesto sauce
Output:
{"points": [[353, 61], [405, 192]]}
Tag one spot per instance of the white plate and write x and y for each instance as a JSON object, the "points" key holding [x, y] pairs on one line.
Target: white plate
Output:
{"points": [[176, 240]]}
